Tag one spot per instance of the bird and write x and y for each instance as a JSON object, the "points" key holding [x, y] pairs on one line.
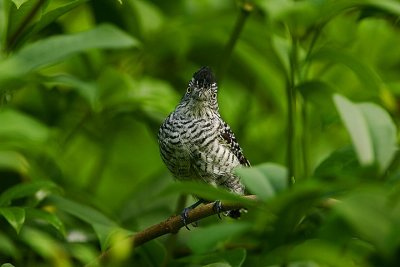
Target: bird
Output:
{"points": [[196, 144]]}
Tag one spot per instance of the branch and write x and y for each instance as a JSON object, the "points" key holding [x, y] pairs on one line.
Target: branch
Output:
{"points": [[174, 223]]}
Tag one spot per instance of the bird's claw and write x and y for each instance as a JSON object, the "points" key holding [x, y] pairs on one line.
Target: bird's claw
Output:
{"points": [[217, 207], [185, 217]]}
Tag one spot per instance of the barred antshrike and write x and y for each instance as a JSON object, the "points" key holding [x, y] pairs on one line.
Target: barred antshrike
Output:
{"points": [[196, 144]]}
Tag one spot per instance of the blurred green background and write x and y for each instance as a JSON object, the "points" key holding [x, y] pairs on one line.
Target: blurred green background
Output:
{"points": [[311, 89]]}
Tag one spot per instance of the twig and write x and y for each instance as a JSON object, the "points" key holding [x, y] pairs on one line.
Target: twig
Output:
{"points": [[174, 223], [245, 10], [14, 37]]}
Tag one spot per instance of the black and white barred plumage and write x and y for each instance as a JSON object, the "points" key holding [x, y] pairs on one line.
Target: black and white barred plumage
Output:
{"points": [[195, 143]]}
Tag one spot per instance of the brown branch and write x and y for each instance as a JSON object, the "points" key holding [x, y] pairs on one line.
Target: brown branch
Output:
{"points": [[174, 223]]}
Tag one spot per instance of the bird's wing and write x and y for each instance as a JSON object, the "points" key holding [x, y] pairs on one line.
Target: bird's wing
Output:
{"points": [[229, 137]]}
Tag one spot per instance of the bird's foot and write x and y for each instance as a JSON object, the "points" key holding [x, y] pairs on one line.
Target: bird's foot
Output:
{"points": [[185, 214], [217, 207]]}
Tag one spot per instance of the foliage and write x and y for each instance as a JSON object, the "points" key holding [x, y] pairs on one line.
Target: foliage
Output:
{"points": [[311, 89]]}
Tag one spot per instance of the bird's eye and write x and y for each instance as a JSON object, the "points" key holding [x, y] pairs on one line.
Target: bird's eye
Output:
{"points": [[188, 90], [214, 95]]}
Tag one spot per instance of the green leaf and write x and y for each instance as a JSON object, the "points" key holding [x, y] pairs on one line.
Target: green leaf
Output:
{"points": [[372, 131], [383, 133], [207, 238], [234, 258], [321, 252], [265, 180], [12, 160], [19, 3], [341, 163], [49, 17], [148, 15], [367, 211], [367, 76], [104, 227], [7, 265], [50, 218], [317, 92], [357, 127], [276, 175], [205, 191], [88, 90], [8, 246], [26, 189], [45, 245], [54, 49], [256, 182], [15, 216], [4, 14], [16, 126]]}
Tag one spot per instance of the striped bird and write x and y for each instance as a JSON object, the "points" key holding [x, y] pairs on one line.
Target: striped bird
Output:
{"points": [[196, 144]]}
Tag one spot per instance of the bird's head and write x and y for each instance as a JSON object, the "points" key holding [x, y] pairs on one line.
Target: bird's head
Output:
{"points": [[201, 93]]}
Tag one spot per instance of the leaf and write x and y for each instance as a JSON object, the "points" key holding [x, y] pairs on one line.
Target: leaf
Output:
{"points": [[148, 15], [357, 127], [368, 213], [372, 131], [365, 74], [256, 182], [26, 189], [50, 218], [17, 126], [12, 160], [341, 163], [205, 191], [207, 238], [15, 216], [88, 90], [54, 49], [19, 3], [234, 258], [321, 252], [7, 265], [276, 174], [49, 17], [264, 180], [318, 93], [4, 14], [383, 133], [45, 245], [8, 246], [104, 227]]}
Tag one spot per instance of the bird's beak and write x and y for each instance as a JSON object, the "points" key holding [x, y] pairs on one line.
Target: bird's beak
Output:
{"points": [[200, 95]]}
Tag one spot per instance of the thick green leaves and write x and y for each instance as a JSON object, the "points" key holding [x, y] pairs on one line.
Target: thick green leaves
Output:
{"points": [[19, 3], [373, 217], [54, 49], [233, 258], [44, 216], [12, 160], [265, 180], [367, 76], [26, 189], [103, 226], [205, 191], [206, 238], [372, 132], [15, 216], [16, 127], [45, 245]]}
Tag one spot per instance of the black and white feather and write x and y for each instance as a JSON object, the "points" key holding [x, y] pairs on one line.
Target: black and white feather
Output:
{"points": [[195, 143]]}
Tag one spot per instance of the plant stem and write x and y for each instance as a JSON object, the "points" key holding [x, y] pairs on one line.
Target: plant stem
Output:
{"points": [[291, 104], [14, 37], [246, 9]]}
